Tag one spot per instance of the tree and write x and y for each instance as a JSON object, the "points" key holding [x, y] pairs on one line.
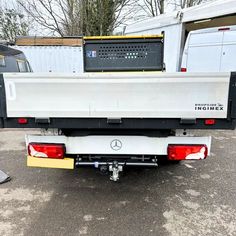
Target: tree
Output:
{"points": [[12, 24], [98, 17], [187, 3], [76, 17], [153, 7]]}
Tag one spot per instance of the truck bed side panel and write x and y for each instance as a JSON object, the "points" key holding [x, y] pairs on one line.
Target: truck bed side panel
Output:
{"points": [[122, 95]]}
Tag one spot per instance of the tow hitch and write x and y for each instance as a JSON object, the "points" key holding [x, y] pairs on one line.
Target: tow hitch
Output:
{"points": [[114, 167]]}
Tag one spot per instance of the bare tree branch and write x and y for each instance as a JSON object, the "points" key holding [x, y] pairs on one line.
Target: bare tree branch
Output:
{"points": [[76, 17]]}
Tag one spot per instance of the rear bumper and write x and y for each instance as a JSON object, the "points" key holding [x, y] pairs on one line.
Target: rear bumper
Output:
{"points": [[117, 145], [66, 163], [130, 124]]}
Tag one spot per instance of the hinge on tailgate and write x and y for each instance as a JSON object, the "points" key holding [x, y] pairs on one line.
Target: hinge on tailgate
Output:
{"points": [[44, 120], [187, 121], [114, 121]]}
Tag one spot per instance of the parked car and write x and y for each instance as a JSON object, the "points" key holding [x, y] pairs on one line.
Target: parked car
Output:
{"points": [[12, 60], [212, 49]]}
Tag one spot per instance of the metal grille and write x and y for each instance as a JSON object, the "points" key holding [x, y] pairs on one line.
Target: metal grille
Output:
{"points": [[132, 52], [123, 55]]}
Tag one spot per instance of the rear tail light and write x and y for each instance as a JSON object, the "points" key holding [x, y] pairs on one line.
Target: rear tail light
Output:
{"points": [[22, 121], [210, 121], [178, 152], [183, 69], [46, 150]]}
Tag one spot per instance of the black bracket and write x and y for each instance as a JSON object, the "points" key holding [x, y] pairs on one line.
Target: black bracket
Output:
{"points": [[42, 120], [114, 121], [187, 121]]}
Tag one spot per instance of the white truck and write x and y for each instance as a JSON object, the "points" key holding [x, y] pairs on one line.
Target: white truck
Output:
{"points": [[211, 49], [177, 26], [116, 119]]}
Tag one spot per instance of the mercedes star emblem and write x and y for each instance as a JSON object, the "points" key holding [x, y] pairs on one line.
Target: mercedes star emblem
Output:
{"points": [[116, 144]]}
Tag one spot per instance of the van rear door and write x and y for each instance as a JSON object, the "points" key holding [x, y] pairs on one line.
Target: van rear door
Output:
{"points": [[204, 52], [228, 62]]}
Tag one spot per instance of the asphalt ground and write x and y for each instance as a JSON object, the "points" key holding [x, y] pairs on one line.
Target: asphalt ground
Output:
{"points": [[190, 198]]}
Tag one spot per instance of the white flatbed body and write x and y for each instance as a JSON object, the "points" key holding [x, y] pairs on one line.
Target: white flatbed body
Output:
{"points": [[118, 95]]}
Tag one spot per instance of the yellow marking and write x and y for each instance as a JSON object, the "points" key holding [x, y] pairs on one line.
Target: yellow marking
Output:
{"points": [[66, 163], [124, 37]]}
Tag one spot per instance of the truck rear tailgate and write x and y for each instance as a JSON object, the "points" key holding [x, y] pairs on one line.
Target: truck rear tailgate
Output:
{"points": [[118, 95]]}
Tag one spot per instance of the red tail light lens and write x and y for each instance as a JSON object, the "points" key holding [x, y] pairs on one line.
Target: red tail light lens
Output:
{"points": [[46, 150], [22, 121], [210, 121], [178, 152], [183, 69]]}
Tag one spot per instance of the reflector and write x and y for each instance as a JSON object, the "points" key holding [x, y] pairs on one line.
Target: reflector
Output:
{"points": [[178, 152], [183, 69], [210, 122], [22, 121], [46, 150]]}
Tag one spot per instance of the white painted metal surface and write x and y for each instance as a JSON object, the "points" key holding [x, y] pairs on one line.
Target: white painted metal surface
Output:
{"points": [[61, 59], [173, 25], [199, 12], [210, 50], [124, 95], [209, 10], [129, 145], [172, 38]]}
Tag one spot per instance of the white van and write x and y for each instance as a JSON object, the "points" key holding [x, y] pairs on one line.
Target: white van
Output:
{"points": [[212, 49]]}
